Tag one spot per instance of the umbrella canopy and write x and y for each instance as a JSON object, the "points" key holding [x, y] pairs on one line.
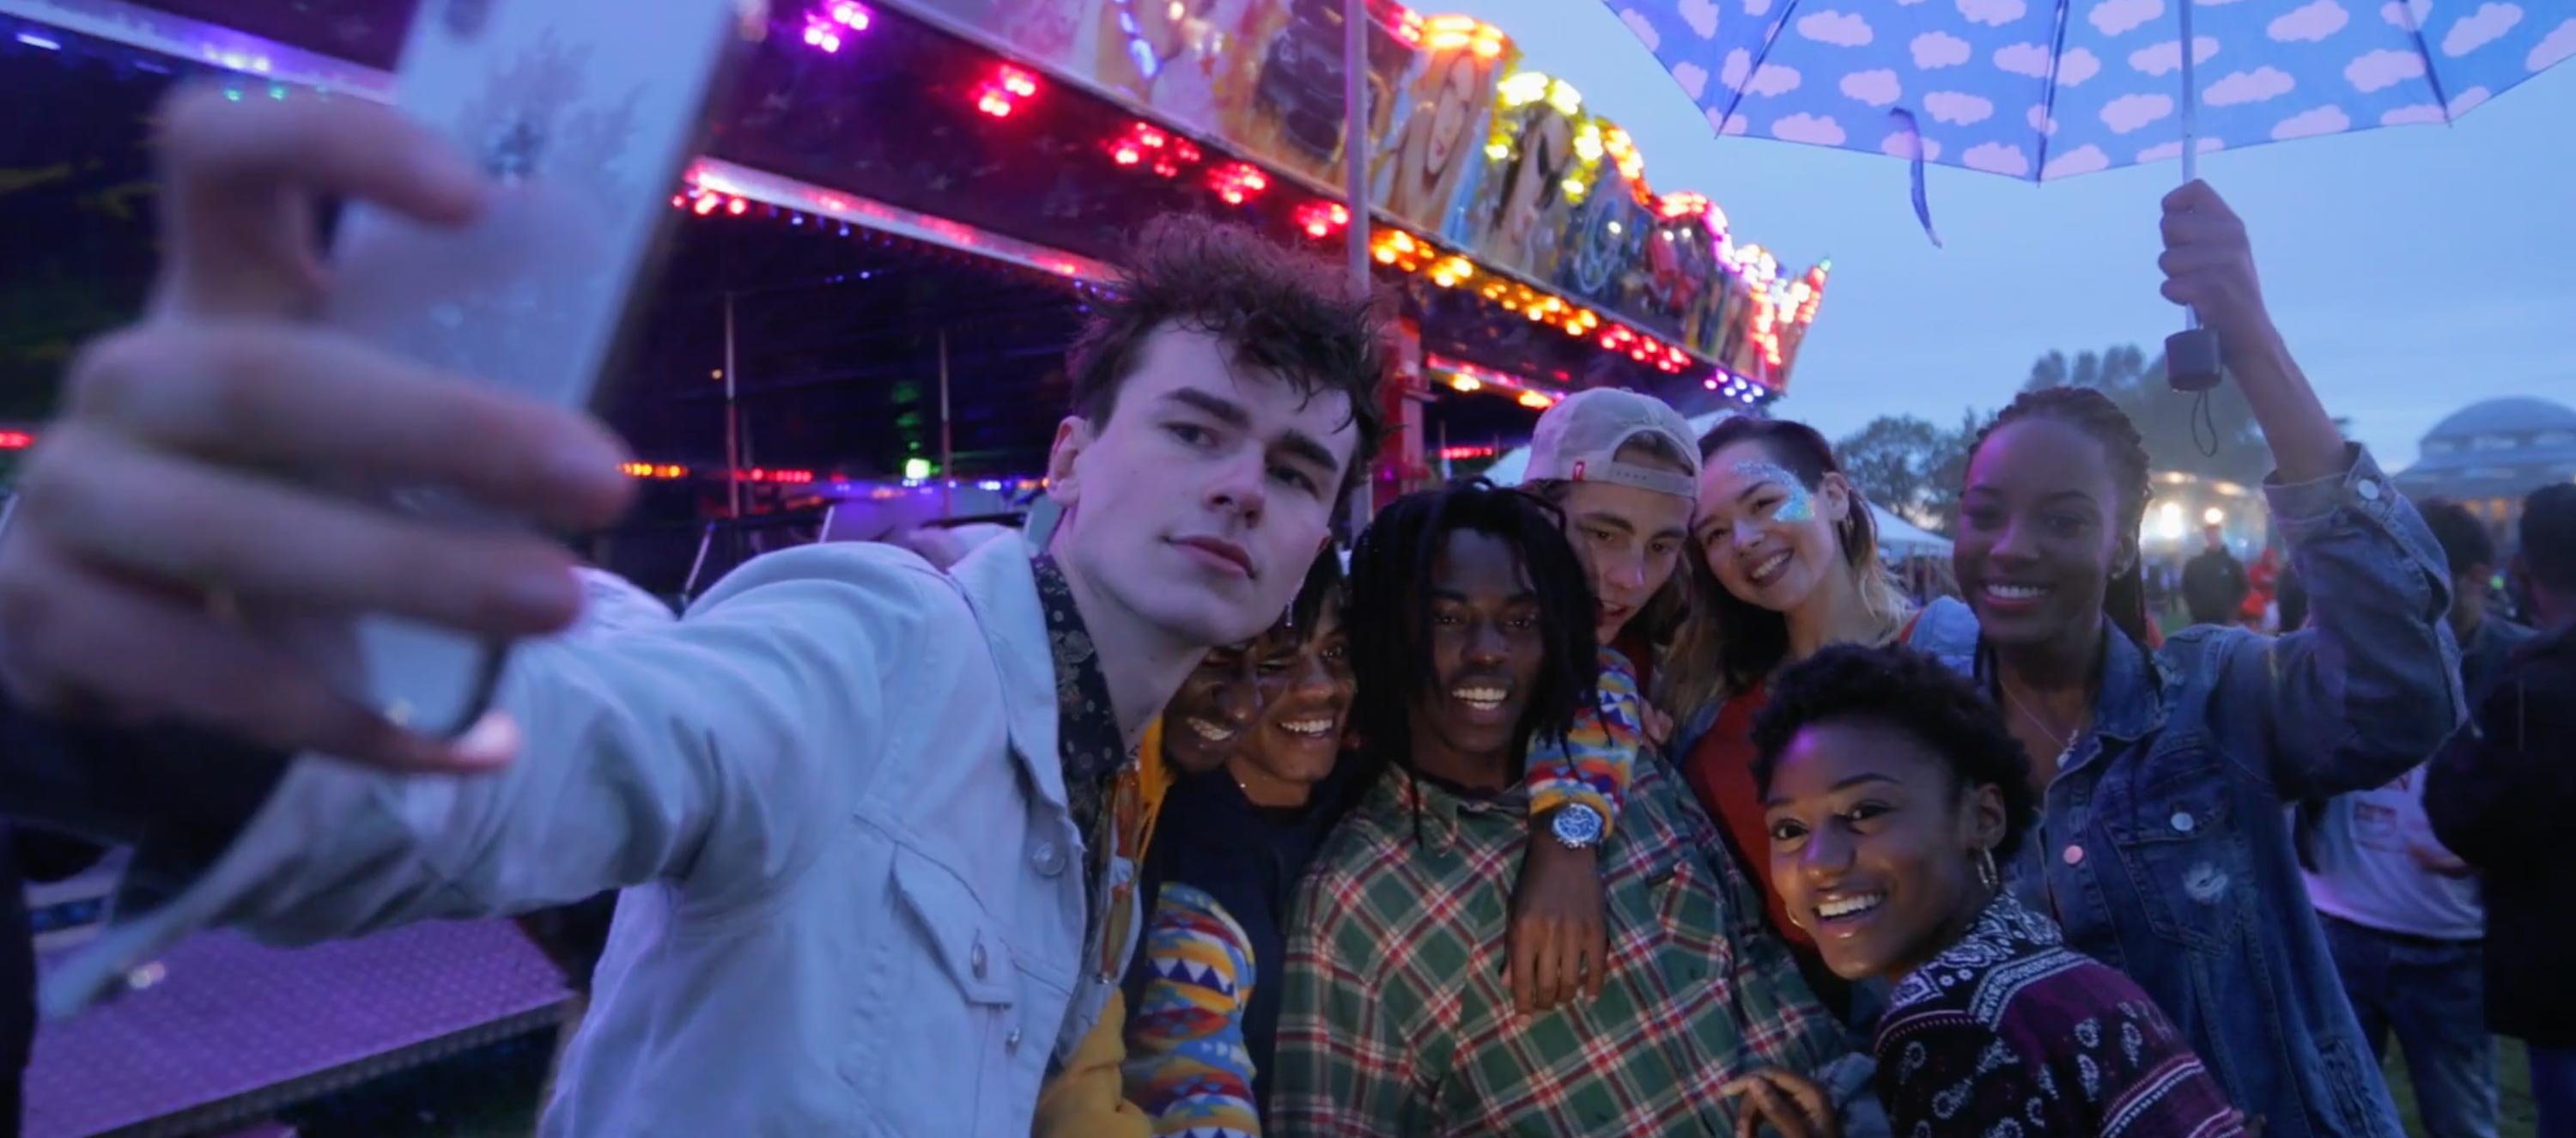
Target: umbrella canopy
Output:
{"points": [[2040, 91]]}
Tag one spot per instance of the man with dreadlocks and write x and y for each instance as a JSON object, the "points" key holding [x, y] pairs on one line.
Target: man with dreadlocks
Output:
{"points": [[1471, 636]]}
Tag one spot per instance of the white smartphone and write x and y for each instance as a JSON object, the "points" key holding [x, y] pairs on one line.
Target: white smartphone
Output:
{"points": [[586, 113]]}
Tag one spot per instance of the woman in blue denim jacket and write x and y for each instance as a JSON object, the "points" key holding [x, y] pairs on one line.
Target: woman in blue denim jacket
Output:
{"points": [[2163, 847]]}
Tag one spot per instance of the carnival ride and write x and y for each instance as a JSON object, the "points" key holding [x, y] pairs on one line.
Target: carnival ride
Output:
{"points": [[903, 210], [905, 206]]}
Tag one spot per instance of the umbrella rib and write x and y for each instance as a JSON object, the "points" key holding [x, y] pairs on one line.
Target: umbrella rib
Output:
{"points": [[1787, 11], [2048, 98], [2432, 75]]}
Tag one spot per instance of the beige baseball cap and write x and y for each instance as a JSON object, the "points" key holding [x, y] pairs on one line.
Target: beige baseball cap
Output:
{"points": [[1579, 439]]}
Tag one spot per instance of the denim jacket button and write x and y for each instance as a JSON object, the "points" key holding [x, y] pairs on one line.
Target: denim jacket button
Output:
{"points": [[2368, 488], [976, 961], [2074, 854], [1049, 859], [2182, 822], [1011, 1042]]}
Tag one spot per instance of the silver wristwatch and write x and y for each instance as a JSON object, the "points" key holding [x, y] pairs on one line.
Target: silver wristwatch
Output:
{"points": [[1575, 826]]}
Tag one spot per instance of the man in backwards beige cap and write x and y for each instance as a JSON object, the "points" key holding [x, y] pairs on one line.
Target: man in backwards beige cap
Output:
{"points": [[1622, 469]]}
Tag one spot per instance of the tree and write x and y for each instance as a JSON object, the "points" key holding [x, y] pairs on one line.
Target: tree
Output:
{"points": [[1909, 466], [1891, 459], [1941, 503], [2177, 431]]}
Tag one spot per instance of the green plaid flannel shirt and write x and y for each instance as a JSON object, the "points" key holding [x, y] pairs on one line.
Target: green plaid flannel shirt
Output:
{"points": [[1398, 1017]]}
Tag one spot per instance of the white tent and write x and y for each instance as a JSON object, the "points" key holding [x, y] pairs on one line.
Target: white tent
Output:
{"points": [[1900, 538]]}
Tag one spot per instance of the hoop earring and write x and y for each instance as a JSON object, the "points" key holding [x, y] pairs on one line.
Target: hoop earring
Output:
{"points": [[1987, 874]]}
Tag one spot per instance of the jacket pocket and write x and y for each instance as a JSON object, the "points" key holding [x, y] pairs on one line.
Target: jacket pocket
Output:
{"points": [[965, 941], [2177, 842], [1693, 915]]}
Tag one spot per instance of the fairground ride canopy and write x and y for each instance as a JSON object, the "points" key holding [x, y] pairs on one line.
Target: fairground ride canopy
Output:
{"points": [[1504, 182], [1516, 210], [889, 202]]}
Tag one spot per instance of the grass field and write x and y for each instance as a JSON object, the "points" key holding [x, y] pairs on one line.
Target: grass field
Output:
{"points": [[2514, 1117], [493, 1094]]}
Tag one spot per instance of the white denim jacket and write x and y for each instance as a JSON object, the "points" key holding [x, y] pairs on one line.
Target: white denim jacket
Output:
{"points": [[854, 898]]}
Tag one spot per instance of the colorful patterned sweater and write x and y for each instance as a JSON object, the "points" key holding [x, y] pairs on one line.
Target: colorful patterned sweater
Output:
{"points": [[1201, 1021], [1594, 763]]}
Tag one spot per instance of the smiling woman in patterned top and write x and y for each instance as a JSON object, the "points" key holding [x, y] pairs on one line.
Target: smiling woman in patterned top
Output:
{"points": [[1891, 788]]}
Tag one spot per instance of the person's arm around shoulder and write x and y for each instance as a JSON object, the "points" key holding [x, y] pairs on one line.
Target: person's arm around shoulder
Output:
{"points": [[1559, 940]]}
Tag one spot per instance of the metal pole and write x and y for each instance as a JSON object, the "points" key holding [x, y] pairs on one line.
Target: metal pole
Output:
{"points": [[2190, 101], [1355, 121], [947, 449], [733, 421], [2190, 123], [1355, 99]]}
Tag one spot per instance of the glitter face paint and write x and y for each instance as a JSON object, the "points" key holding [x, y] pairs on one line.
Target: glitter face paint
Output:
{"points": [[1799, 506]]}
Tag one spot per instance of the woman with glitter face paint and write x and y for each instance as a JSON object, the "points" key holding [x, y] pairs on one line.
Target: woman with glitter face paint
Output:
{"points": [[1787, 563]]}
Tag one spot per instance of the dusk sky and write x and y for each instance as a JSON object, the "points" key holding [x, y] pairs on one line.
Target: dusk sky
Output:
{"points": [[2414, 270]]}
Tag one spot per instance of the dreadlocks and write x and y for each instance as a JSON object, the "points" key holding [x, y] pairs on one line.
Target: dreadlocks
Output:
{"points": [[2093, 413], [1390, 610]]}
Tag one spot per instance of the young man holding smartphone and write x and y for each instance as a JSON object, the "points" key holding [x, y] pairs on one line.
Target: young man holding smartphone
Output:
{"points": [[852, 799]]}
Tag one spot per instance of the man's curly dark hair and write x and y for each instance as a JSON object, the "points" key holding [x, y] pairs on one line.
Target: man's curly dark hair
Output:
{"points": [[1907, 691], [1275, 308]]}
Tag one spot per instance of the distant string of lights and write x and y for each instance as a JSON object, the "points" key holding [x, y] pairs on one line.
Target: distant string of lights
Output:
{"points": [[917, 473], [1469, 379]]}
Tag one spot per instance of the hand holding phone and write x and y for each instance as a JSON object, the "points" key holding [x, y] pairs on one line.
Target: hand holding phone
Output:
{"points": [[205, 461], [582, 113]]}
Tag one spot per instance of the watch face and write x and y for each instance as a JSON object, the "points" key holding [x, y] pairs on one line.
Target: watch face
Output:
{"points": [[1576, 826]]}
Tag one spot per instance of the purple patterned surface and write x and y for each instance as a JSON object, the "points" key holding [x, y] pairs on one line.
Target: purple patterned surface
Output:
{"points": [[228, 1016]]}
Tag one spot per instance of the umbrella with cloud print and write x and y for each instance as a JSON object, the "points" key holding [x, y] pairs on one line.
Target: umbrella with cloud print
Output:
{"points": [[2039, 91]]}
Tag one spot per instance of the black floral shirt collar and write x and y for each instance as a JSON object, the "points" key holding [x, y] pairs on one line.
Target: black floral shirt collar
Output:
{"points": [[2004, 930], [1087, 737]]}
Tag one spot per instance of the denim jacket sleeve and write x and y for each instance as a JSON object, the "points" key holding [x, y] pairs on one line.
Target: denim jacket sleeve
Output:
{"points": [[1598, 758], [2371, 687], [680, 753]]}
